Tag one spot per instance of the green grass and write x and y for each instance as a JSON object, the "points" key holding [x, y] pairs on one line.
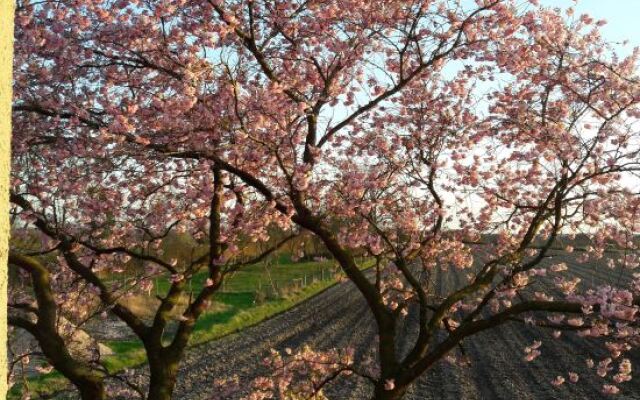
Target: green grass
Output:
{"points": [[242, 311], [253, 277]]}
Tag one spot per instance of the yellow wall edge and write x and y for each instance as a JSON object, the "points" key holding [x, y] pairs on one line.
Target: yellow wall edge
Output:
{"points": [[6, 63]]}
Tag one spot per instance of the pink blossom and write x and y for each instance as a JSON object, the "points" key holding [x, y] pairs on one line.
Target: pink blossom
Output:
{"points": [[573, 377], [610, 389], [575, 321], [558, 267], [389, 384]]}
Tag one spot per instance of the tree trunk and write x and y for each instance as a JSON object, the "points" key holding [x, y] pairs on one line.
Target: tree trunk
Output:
{"points": [[163, 379], [91, 389], [90, 383]]}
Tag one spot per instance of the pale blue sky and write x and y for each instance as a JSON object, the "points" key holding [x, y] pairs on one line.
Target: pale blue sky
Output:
{"points": [[623, 17]]}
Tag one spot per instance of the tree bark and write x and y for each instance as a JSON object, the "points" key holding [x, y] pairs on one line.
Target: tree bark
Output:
{"points": [[91, 388], [164, 374], [90, 383]]}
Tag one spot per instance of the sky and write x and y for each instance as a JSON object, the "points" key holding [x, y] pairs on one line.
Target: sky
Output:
{"points": [[622, 17]]}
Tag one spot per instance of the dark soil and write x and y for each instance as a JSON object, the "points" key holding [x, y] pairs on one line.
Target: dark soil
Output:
{"points": [[339, 318]]}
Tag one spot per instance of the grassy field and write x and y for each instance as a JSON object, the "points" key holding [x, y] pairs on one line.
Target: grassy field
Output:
{"points": [[250, 296]]}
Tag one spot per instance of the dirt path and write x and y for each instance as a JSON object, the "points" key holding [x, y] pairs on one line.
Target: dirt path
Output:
{"points": [[339, 317]]}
